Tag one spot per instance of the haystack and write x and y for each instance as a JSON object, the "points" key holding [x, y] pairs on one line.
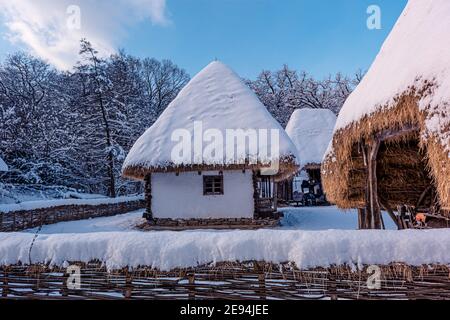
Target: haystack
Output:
{"points": [[391, 143]]}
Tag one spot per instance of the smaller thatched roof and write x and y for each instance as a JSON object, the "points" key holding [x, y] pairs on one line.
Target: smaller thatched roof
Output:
{"points": [[408, 86], [311, 131], [214, 102], [3, 166]]}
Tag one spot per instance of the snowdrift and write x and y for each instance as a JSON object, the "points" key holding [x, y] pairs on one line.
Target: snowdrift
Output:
{"points": [[169, 250]]}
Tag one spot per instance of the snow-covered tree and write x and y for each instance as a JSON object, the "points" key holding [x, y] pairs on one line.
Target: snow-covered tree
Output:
{"points": [[285, 90], [31, 116], [74, 128]]}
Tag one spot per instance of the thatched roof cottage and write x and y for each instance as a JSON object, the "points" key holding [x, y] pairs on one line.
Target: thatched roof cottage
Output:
{"points": [[207, 155], [311, 131], [391, 145]]}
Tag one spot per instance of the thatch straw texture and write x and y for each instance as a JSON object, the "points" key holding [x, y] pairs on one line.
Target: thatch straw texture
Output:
{"points": [[402, 161]]}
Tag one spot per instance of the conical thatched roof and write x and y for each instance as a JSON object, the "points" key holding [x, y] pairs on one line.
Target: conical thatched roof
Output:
{"points": [[407, 85], [218, 99], [311, 131], [3, 166]]}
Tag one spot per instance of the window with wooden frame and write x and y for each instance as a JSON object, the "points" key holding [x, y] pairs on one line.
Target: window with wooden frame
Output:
{"points": [[212, 185]]}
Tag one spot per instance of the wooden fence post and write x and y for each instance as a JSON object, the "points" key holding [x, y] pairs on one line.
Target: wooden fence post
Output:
{"points": [[261, 281], [191, 281], [332, 288], [262, 286], [64, 288], [148, 197], [128, 285], [5, 289]]}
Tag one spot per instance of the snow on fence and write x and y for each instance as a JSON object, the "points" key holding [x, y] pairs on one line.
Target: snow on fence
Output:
{"points": [[251, 280], [15, 217]]}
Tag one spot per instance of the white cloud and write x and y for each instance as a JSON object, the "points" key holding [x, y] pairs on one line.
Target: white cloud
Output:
{"points": [[48, 29]]}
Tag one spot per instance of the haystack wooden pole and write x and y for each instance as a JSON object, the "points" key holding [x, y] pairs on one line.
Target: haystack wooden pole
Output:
{"points": [[361, 218], [367, 222], [370, 150], [374, 147], [391, 213], [423, 195]]}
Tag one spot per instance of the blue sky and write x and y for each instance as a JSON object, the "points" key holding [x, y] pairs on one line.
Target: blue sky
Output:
{"points": [[319, 36]]}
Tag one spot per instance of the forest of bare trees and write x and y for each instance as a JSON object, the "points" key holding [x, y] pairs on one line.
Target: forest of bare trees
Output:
{"points": [[74, 129], [282, 91]]}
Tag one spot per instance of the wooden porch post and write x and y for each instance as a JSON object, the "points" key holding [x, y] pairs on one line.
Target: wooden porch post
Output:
{"points": [[148, 197], [255, 194], [275, 195]]}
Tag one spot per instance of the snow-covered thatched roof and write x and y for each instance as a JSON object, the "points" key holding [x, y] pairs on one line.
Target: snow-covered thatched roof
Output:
{"points": [[311, 131], [407, 85], [219, 99], [3, 166]]}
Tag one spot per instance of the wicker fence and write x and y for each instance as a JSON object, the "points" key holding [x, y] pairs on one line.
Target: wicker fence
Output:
{"points": [[20, 220], [225, 281]]}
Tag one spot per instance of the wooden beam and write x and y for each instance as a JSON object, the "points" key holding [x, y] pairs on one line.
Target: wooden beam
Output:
{"points": [[395, 133], [148, 197], [255, 194], [391, 213], [422, 196]]}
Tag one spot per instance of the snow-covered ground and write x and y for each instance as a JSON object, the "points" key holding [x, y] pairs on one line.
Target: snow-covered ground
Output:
{"points": [[121, 222], [324, 218], [310, 218], [114, 241]]}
